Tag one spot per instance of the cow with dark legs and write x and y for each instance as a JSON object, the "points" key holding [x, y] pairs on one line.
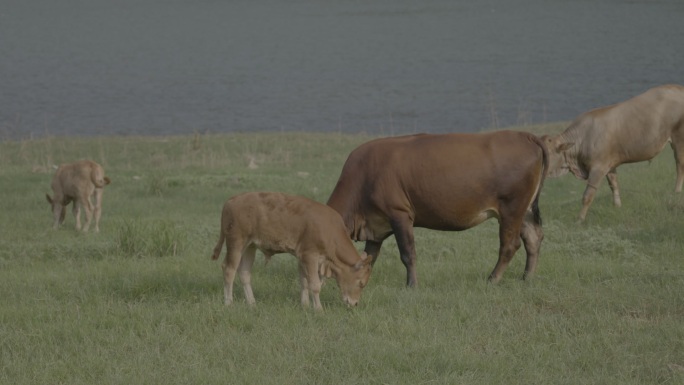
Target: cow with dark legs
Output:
{"points": [[598, 141], [444, 182]]}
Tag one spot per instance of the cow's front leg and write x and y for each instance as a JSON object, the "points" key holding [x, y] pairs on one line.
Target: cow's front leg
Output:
{"points": [[303, 284], [372, 249], [595, 177], [614, 187], [314, 281], [402, 226], [58, 212], [677, 145], [245, 272]]}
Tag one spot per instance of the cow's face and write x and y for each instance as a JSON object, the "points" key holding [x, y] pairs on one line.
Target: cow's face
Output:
{"points": [[353, 280], [558, 164]]}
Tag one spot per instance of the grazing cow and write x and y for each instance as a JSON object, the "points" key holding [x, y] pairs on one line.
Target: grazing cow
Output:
{"points": [[279, 223], [444, 182], [78, 182], [598, 141]]}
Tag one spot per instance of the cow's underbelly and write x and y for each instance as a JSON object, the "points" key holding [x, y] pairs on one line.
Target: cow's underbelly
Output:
{"points": [[457, 222]]}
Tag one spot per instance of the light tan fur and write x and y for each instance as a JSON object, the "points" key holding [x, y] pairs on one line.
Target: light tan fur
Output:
{"points": [[638, 129], [280, 223], [78, 182]]}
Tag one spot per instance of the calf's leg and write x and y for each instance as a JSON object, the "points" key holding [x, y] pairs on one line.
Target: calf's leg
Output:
{"points": [[97, 207], [88, 208], [303, 284], [245, 271], [76, 209], [310, 266], [230, 266], [58, 213]]}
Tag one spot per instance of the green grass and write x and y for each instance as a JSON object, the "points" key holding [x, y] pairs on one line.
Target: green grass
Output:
{"points": [[141, 302]]}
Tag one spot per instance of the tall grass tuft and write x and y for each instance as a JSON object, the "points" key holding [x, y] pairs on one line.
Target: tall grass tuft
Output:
{"points": [[135, 238]]}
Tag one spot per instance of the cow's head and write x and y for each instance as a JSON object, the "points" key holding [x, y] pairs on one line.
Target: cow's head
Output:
{"points": [[557, 149], [351, 279]]}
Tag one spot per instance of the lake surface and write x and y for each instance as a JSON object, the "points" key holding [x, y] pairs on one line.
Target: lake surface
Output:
{"points": [[157, 67]]}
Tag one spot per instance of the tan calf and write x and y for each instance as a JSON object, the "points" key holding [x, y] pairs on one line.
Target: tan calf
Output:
{"points": [[78, 182], [280, 223]]}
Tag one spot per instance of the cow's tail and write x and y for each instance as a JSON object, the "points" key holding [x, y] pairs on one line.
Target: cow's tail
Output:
{"points": [[219, 246], [545, 172]]}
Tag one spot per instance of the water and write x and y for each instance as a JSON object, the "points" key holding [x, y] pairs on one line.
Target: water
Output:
{"points": [[157, 67]]}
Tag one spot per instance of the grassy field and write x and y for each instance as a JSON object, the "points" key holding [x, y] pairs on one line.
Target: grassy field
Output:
{"points": [[141, 302]]}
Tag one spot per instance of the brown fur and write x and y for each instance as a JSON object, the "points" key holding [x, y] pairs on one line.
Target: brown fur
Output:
{"points": [[78, 182], [444, 182], [280, 223], [598, 141]]}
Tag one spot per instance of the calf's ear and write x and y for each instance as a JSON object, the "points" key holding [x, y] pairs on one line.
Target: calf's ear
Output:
{"points": [[364, 261], [325, 270], [48, 198]]}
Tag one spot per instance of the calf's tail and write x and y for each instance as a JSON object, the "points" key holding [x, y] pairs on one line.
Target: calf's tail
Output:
{"points": [[219, 246], [98, 179]]}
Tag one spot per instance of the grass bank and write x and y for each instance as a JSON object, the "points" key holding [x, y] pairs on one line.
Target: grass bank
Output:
{"points": [[141, 302]]}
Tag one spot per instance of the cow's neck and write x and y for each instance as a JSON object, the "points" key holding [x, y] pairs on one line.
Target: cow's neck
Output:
{"points": [[572, 135]]}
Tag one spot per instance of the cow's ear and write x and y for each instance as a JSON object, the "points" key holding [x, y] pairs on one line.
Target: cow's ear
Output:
{"points": [[48, 198], [564, 146]]}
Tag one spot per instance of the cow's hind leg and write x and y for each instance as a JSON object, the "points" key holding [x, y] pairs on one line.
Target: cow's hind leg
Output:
{"points": [[532, 235], [245, 271], [509, 243], [614, 187], [97, 207], [677, 145], [230, 267], [402, 226], [76, 209]]}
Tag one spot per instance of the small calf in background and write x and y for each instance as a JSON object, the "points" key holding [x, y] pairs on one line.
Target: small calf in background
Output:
{"points": [[78, 182], [280, 223]]}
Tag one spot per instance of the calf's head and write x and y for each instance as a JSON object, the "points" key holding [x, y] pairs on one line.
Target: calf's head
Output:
{"points": [[557, 150], [351, 279]]}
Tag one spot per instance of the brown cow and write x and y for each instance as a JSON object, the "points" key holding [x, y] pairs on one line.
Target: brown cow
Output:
{"points": [[78, 182], [444, 182], [598, 141], [279, 223]]}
